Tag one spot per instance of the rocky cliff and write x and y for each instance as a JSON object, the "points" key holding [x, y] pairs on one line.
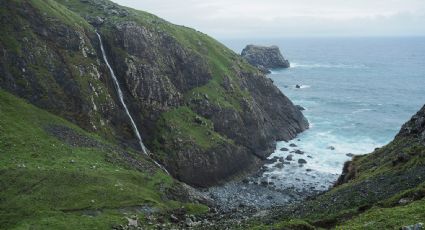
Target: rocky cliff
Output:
{"points": [[203, 112], [265, 58]]}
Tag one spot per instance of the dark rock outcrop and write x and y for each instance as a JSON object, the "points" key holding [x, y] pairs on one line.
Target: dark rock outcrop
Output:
{"points": [[265, 58], [348, 173], [415, 127]]}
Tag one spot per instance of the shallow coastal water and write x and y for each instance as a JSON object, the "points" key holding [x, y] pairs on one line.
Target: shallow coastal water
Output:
{"points": [[357, 93]]}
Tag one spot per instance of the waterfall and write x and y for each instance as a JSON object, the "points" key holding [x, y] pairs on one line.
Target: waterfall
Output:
{"points": [[121, 97]]}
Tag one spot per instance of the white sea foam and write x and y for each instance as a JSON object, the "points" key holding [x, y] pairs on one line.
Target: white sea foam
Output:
{"points": [[362, 110], [323, 164], [298, 86], [323, 65]]}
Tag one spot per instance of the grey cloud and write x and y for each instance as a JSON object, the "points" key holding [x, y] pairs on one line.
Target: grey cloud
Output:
{"points": [[274, 18]]}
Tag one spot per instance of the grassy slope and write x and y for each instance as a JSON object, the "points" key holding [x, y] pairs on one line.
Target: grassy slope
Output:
{"points": [[41, 188]]}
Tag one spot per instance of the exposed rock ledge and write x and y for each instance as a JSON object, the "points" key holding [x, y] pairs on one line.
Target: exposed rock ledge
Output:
{"points": [[265, 58]]}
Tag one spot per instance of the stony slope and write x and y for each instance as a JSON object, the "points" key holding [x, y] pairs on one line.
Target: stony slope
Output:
{"points": [[204, 112]]}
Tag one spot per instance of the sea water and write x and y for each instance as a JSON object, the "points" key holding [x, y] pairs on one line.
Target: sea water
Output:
{"points": [[357, 93]]}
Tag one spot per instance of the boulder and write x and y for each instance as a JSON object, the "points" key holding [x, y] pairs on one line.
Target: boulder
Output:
{"points": [[302, 161], [279, 165], [299, 152]]}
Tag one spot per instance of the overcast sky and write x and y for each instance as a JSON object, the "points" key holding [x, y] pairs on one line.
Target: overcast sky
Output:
{"points": [[287, 18]]}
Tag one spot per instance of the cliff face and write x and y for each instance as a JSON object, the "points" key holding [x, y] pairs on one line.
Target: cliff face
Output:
{"points": [[265, 58], [202, 111]]}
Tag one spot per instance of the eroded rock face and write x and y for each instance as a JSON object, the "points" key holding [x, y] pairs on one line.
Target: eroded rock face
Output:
{"points": [[415, 127], [265, 58]]}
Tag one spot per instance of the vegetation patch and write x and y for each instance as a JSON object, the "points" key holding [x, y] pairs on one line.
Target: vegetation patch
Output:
{"points": [[46, 183]]}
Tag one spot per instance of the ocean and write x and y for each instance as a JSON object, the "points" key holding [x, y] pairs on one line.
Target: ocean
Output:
{"points": [[357, 93]]}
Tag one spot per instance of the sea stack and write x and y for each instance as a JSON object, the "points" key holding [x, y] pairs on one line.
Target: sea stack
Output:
{"points": [[265, 57]]}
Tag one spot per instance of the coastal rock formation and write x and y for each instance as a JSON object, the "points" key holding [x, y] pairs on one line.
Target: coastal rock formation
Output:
{"points": [[265, 58], [200, 108]]}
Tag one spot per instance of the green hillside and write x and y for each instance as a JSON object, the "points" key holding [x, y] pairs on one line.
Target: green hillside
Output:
{"points": [[56, 176]]}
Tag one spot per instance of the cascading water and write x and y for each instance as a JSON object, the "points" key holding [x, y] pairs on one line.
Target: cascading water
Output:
{"points": [[121, 97]]}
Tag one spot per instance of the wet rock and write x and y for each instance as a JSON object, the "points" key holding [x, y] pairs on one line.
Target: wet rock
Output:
{"points": [[284, 149], [349, 155], [271, 161], [331, 147], [279, 165], [289, 157], [264, 183], [300, 108], [298, 86], [293, 145], [299, 152], [302, 161]]}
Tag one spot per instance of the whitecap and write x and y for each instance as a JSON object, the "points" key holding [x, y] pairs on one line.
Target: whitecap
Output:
{"points": [[298, 86], [323, 65], [361, 110]]}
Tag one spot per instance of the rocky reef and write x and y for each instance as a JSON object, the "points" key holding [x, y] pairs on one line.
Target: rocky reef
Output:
{"points": [[265, 58], [202, 110]]}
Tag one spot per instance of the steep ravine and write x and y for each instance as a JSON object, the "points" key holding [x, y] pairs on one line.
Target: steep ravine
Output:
{"points": [[206, 114]]}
